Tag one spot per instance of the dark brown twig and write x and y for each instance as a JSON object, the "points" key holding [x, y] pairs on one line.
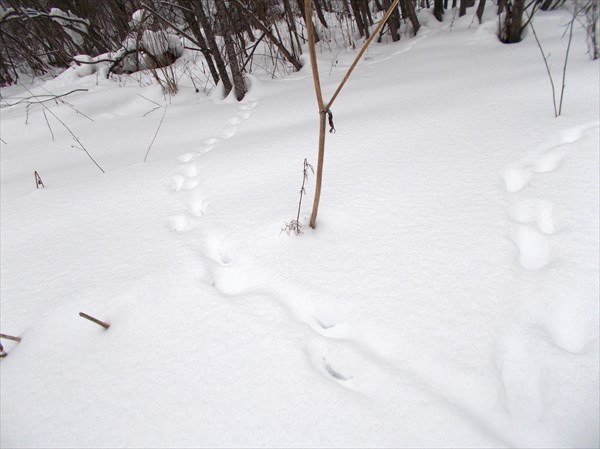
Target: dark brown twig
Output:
{"points": [[94, 320], [10, 337], [38, 180]]}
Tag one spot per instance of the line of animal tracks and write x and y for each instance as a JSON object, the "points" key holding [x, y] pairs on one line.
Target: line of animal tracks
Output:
{"points": [[542, 319], [353, 358], [534, 217]]}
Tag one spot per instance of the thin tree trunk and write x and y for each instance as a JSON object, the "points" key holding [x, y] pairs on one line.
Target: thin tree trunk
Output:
{"points": [[501, 6], [301, 7], [265, 29], [214, 48], [393, 21], [292, 26], [362, 4], [324, 109], [224, 19], [464, 4], [518, 8], [367, 12], [510, 32], [320, 14], [438, 9], [412, 15], [358, 17], [480, 9], [190, 17]]}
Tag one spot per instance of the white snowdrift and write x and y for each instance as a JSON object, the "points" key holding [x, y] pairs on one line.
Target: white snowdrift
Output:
{"points": [[447, 298]]}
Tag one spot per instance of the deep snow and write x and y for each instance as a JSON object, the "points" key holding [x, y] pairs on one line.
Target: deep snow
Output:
{"points": [[448, 297]]}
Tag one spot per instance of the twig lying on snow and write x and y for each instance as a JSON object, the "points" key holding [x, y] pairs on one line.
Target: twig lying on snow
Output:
{"points": [[10, 337], [94, 320], [7, 337]]}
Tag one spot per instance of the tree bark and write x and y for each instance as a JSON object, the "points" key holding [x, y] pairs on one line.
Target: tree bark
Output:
{"points": [[320, 14], [224, 19], [265, 29], [438, 9], [291, 22], [480, 9], [193, 23], [511, 28], [214, 48], [464, 4], [412, 15], [360, 24], [393, 21]]}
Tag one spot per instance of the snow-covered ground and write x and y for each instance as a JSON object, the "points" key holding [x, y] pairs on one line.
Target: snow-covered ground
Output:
{"points": [[449, 296]]}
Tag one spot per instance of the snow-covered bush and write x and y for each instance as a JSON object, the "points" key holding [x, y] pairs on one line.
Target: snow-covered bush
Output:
{"points": [[148, 47]]}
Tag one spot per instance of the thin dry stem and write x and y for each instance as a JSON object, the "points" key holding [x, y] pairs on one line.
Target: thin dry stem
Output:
{"points": [[69, 130], [547, 67], [156, 133]]}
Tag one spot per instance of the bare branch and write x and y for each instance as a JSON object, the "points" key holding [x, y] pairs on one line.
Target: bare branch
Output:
{"points": [[547, 66], [69, 130], [37, 97], [562, 90], [156, 133]]}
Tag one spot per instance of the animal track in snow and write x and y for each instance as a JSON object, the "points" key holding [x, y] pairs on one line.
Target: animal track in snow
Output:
{"points": [[570, 326], [535, 217], [190, 169], [534, 251], [179, 223], [187, 157], [549, 161], [516, 178], [520, 381], [336, 375], [545, 159], [334, 331], [213, 140], [537, 212], [177, 182], [227, 133], [188, 177], [197, 206], [180, 182]]}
